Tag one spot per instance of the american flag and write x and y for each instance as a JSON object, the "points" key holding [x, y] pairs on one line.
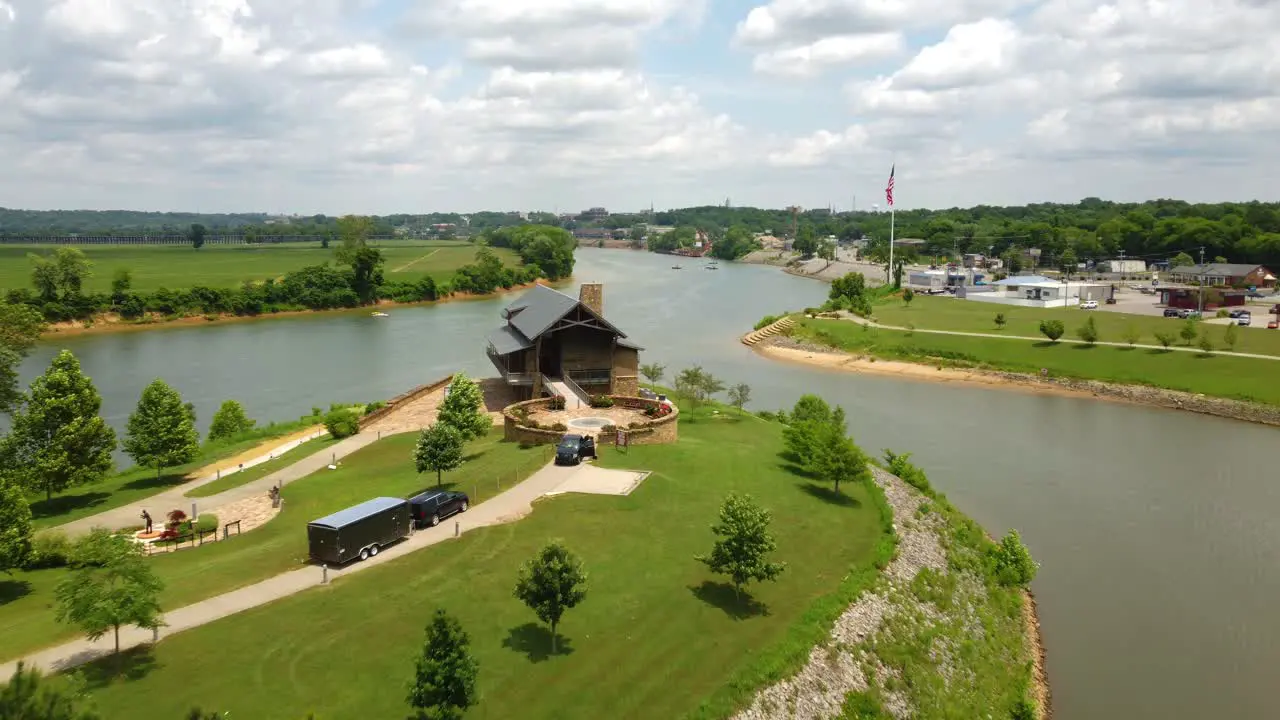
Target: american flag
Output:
{"points": [[888, 190]]}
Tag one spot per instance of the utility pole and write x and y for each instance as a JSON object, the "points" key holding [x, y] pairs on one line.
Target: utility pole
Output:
{"points": [[1202, 278]]}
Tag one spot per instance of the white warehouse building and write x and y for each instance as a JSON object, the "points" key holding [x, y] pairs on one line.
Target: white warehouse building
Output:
{"points": [[1039, 291], [1123, 266]]}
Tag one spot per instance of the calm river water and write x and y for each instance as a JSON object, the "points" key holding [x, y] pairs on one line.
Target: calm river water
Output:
{"points": [[1158, 532]]}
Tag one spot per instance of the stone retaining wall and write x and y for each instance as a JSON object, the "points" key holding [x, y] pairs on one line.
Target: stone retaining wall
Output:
{"points": [[660, 431], [403, 398]]}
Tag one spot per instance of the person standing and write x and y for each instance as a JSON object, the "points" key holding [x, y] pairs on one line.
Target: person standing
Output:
{"points": [[146, 518]]}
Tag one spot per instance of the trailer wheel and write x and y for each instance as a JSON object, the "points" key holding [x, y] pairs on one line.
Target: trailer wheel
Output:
{"points": [[435, 520], [464, 507], [373, 551], [364, 554]]}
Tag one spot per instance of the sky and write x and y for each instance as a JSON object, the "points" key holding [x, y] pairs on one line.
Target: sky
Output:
{"points": [[385, 106]]}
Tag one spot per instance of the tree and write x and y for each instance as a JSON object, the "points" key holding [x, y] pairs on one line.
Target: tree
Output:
{"points": [[20, 328], [439, 449], [1000, 321], [44, 277], [341, 423], [1068, 263], [653, 372], [444, 679], [638, 232], [1206, 342], [807, 428], [1011, 561], [739, 395], [551, 583], [1132, 334], [463, 408], [197, 235], [366, 272], [229, 421], [1188, 332], [907, 296], [1230, 337], [28, 697], [354, 232], [806, 242], [1012, 261], [1164, 338], [1052, 329], [15, 526], [1181, 260], [827, 250], [112, 585], [743, 545], [160, 433], [1219, 259], [121, 283], [58, 439], [697, 384], [835, 457], [1088, 332]]}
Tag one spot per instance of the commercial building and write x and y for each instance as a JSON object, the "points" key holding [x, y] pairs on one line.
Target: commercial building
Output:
{"points": [[1245, 274], [1036, 291], [1122, 266], [1188, 298]]}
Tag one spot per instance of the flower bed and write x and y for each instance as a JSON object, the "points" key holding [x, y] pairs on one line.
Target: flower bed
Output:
{"points": [[544, 420]]}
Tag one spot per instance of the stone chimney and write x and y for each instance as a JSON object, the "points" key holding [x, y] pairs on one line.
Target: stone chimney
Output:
{"points": [[592, 295]]}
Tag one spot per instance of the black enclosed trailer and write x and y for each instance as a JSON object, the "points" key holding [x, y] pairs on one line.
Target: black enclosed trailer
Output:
{"points": [[359, 531]]}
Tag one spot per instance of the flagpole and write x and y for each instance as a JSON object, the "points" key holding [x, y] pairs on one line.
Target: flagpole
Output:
{"points": [[892, 215]]}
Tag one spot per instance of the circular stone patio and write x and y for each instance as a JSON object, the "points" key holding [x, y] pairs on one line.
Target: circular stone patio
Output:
{"points": [[591, 420]]}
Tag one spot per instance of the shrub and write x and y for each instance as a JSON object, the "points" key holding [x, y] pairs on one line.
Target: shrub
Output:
{"points": [[176, 517], [559, 427], [1023, 709], [767, 320], [1132, 335], [609, 430], [900, 464], [1231, 337], [206, 522], [1052, 329], [1188, 331], [1222, 312], [375, 405], [601, 401], [1000, 320], [1011, 562], [341, 423], [557, 402], [1088, 332], [1206, 342], [1164, 338], [49, 549]]}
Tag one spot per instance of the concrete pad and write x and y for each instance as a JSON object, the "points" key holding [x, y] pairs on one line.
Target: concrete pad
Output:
{"points": [[600, 481]]}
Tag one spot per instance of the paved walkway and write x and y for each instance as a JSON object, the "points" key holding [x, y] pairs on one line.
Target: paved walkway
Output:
{"points": [[1173, 348], [507, 506], [410, 418]]}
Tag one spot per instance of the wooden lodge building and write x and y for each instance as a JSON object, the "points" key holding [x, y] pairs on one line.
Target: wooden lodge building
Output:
{"points": [[552, 342]]}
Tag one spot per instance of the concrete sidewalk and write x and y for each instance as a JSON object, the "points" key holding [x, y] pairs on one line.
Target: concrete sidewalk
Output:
{"points": [[507, 506]]}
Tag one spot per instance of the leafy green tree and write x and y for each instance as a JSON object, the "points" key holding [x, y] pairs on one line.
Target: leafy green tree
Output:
{"points": [[15, 525], [20, 328], [354, 232], [229, 421], [907, 296], [111, 586], [653, 372], [739, 395], [1068, 263], [44, 277], [1088, 332], [1230, 337], [638, 233], [1188, 331], [58, 439], [366, 270], [1181, 260], [827, 250], [1052, 329], [1164, 338], [1011, 561], [743, 544], [551, 583], [28, 697], [439, 449], [73, 269], [463, 408], [1000, 321], [444, 679], [806, 242], [197, 235], [807, 427], [835, 457], [121, 283], [1206, 342], [849, 293], [1132, 334], [1012, 260], [697, 384], [341, 423], [160, 433]]}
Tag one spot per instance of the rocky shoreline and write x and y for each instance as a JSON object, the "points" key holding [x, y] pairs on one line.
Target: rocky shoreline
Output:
{"points": [[1141, 394]]}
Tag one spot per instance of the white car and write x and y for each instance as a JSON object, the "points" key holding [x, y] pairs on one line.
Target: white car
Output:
{"points": [[1089, 305]]}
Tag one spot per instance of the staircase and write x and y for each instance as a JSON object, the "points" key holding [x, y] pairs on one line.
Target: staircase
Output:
{"points": [[573, 395], [768, 331]]}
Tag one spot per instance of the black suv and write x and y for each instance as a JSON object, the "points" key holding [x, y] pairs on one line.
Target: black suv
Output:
{"points": [[1171, 312], [430, 507], [573, 448]]}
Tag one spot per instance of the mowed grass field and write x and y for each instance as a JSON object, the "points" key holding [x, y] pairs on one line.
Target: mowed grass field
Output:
{"points": [[947, 313], [1218, 375], [177, 267], [658, 636], [383, 468]]}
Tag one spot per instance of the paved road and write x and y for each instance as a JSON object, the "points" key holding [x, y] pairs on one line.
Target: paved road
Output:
{"points": [[1174, 348], [507, 506]]}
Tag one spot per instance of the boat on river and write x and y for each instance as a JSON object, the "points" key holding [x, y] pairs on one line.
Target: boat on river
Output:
{"points": [[379, 314]]}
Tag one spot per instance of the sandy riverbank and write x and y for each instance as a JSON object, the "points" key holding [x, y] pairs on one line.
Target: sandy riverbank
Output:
{"points": [[113, 323]]}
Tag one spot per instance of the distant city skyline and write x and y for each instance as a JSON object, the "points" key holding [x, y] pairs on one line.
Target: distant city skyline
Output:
{"points": [[386, 106]]}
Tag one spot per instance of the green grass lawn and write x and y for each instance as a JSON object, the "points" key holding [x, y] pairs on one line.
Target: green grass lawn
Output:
{"points": [[658, 636], [261, 470], [946, 313], [383, 468], [176, 267], [1218, 375], [137, 483]]}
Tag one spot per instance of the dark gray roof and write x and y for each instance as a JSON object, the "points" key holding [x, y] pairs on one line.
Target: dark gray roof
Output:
{"points": [[624, 342], [358, 512], [506, 340], [1223, 269], [539, 309]]}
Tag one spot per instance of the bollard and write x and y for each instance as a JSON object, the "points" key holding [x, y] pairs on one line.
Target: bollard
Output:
{"points": [[379, 434], [334, 459], [218, 476], [193, 512], [155, 635], [324, 574], [457, 528]]}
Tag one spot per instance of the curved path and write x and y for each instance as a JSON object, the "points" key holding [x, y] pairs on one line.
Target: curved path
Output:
{"points": [[505, 507], [1172, 348]]}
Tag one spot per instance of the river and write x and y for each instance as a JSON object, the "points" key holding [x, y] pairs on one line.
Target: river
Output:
{"points": [[1158, 531]]}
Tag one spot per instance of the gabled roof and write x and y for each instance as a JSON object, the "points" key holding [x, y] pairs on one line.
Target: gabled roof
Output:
{"points": [[535, 313], [343, 518], [1223, 269]]}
